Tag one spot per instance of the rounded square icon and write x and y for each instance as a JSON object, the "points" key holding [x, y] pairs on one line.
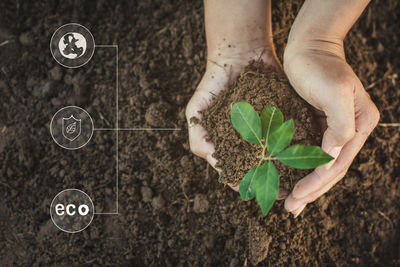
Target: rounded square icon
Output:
{"points": [[72, 45]]}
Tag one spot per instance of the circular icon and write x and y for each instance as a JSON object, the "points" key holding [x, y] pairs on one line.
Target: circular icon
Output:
{"points": [[72, 45], [71, 127], [72, 210]]}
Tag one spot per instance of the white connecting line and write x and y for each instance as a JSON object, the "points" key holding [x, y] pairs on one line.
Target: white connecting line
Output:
{"points": [[117, 129], [390, 124]]}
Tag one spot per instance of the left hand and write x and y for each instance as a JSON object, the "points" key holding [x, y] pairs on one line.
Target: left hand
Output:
{"points": [[319, 73]]}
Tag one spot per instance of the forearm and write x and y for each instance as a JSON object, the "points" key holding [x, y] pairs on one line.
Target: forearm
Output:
{"points": [[234, 26], [325, 23]]}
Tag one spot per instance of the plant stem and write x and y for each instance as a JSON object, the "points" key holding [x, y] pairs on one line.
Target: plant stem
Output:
{"points": [[262, 156]]}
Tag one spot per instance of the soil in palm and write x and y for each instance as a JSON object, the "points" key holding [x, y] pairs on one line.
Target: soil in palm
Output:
{"points": [[262, 87]]}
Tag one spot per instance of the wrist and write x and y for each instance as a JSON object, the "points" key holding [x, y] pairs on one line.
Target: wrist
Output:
{"points": [[322, 25], [241, 54], [320, 45]]}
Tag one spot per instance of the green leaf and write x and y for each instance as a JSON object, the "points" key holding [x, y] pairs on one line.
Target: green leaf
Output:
{"points": [[247, 122], [304, 157], [271, 119], [280, 138], [267, 186], [247, 188]]}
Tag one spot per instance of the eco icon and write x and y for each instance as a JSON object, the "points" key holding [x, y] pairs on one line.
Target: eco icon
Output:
{"points": [[71, 128]]}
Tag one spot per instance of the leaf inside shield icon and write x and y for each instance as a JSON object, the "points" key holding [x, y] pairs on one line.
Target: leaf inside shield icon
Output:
{"points": [[71, 128]]}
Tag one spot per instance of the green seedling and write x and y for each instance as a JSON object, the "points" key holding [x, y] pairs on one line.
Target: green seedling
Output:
{"points": [[273, 135]]}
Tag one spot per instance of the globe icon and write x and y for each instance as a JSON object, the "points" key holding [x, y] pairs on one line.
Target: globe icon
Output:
{"points": [[72, 45]]}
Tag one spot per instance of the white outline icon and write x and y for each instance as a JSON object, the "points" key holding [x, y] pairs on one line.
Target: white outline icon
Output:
{"points": [[76, 25], [76, 124], [91, 219], [116, 128], [71, 148]]}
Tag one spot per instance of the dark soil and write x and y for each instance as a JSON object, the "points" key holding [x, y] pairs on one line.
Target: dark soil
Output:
{"points": [[262, 87], [172, 209]]}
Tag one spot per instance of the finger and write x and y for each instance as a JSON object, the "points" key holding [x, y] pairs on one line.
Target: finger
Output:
{"points": [[234, 187], [340, 118], [298, 210], [197, 134], [366, 120], [321, 180], [198, 143], [213, 162], [206, 91]]}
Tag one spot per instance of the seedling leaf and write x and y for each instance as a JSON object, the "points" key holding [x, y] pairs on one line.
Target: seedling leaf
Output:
{"points": [[304, 157], [280, 138], [247, 188], [271, 119], [267, 186], [262, 181], [247, 122]]}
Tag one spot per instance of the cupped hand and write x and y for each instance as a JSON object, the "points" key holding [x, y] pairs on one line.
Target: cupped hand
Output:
{"points": [[215, 79], [322, 77]]}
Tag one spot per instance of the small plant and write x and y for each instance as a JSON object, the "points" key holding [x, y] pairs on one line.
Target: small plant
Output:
{"points": [[273, 135]]}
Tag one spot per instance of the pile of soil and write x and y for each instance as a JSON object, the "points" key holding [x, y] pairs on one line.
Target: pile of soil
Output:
{"points": [[261, 86], [172, 209]]}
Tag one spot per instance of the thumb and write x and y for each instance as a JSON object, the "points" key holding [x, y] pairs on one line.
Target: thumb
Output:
{"points": [[340, 118]]}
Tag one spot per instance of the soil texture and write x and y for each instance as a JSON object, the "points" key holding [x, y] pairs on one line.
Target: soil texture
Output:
{"points": [[262, 87]]}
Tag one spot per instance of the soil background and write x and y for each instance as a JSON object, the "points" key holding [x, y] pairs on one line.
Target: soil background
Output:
{"points": [[172, 210]]}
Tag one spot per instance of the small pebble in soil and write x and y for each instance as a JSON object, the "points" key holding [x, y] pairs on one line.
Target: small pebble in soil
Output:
{"points": [[146, 193], [147, 93], [171, 243], [56, 73], [41, 89], [68, 79], [157, 113], [158, 202], [200, 203], [55, 102], [26, 39], [209, 241]]}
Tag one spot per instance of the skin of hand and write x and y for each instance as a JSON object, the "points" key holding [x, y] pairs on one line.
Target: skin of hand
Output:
{"points": [[236, 32], [315, 64]]}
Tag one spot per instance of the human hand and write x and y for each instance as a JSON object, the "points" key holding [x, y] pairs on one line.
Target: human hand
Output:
{"points": [[215, 80], [319, 73], [235, 36]]}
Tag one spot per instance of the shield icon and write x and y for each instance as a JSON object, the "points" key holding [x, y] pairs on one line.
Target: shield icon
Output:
{"points": [[71, 128]]}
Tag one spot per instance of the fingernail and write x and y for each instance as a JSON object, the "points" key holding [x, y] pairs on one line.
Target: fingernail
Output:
{"points": [[292, 204], [234, 187], [334, 152], [298, 211]]}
